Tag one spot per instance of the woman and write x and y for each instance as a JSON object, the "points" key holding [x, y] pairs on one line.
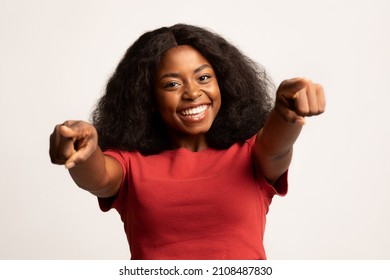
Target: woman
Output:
{"points": [[194, 149]]}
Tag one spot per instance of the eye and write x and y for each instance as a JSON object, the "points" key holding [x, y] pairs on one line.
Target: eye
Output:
{"points": [[171, 85], [204, 78]]}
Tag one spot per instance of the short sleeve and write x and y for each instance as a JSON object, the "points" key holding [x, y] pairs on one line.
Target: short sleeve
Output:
{"points": [[280, 187], [116, 201]]}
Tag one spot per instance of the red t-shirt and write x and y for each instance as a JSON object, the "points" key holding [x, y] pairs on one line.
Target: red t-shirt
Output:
{"points": [[181, 204]]}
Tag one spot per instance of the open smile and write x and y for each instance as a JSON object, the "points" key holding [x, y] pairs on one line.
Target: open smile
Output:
{"points": [[194, 114]]}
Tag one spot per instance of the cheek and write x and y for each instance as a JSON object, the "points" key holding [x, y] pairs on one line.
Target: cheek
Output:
{"points": [[214, 90], [166, 103], [216, 96]]}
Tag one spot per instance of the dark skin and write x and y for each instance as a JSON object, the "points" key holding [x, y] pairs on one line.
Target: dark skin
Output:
{"points": [[188, 99]]}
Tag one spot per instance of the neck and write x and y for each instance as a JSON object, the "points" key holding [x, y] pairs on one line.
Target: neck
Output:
{"points": [[192, 143]]}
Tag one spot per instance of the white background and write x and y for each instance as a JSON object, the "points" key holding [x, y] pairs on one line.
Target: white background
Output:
{"points": [[56, 57]]}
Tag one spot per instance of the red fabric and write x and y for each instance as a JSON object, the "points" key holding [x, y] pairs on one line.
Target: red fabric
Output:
{"points": [[194, 205]]}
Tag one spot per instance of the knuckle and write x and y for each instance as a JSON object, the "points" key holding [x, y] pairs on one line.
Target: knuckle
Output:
{"points": [[306, 80], [319, 87], [66, 123], [55, 133], [284, 83]]}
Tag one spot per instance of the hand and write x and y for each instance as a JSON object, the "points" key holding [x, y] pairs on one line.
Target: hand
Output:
{"points": [[298, 98], [72, 143]]}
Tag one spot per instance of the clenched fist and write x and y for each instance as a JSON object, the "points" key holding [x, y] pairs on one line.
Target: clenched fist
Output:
{"points": [[298, 98]]}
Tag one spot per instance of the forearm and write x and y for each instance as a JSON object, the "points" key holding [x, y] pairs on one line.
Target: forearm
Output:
{"points": [[274, 145], [92, 174], [277, 136], [295, 99]]}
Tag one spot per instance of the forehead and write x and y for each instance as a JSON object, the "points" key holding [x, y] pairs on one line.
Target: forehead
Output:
{"points": [[182, 56]]}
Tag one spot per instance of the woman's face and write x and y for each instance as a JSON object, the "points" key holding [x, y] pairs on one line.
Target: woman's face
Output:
{"points": [[187, 93]]}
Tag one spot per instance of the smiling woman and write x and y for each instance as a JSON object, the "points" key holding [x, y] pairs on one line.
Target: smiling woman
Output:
{"points": [[187, 96], [192, 152], [129, 102]]}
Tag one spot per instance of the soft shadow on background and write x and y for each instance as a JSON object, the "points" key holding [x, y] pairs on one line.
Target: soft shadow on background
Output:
{"points": [[56, 57]]}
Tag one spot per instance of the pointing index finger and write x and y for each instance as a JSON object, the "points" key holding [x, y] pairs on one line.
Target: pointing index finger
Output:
{"points": [[73, 129], [295, 85]]}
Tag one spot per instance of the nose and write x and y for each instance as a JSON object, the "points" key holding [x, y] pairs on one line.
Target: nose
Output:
{"points": [[192, 91]]}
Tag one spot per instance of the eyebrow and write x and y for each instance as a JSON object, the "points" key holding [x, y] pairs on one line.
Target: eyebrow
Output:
{"points": [[177, 75]]}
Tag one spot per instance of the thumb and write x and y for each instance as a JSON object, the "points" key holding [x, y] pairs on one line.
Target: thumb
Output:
{"points": [[82, 141]]}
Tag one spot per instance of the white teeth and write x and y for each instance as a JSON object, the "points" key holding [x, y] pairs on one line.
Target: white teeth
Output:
{"points": [[194, 111]]}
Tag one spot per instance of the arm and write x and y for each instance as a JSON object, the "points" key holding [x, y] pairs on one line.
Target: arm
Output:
{"points": [[295, 99], [74, 144]]}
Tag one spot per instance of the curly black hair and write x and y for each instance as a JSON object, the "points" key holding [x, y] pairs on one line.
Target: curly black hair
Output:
{"points": [[125, 117]]}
